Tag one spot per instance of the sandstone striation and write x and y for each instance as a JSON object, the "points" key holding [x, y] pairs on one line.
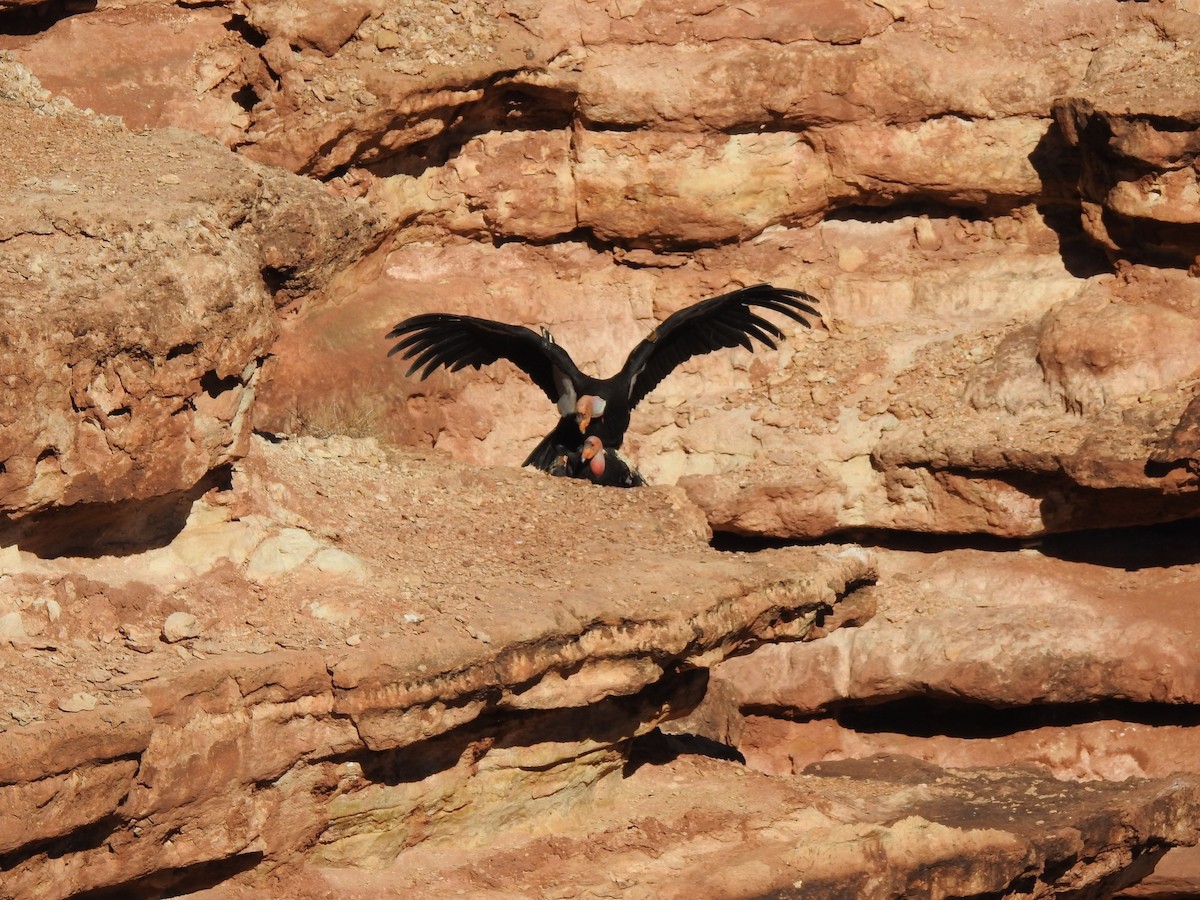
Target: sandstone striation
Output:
{"points": [[497, 708], [576, 136], [323, 666], [878, 827], [1072, 633], [1070, 657], [848, 103]]}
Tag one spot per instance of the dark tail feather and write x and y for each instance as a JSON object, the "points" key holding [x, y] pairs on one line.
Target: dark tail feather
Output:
{"points": [[565, 438], [544, 453]]}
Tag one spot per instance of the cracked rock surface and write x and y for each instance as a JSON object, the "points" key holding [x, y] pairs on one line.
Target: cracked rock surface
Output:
{"points": [[139, 274]]}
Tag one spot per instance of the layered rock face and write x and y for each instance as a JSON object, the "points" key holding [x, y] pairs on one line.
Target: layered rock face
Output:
{"points": [[256, 667], [342, 694], [572, 164], [374, 695], [1135, 132]]}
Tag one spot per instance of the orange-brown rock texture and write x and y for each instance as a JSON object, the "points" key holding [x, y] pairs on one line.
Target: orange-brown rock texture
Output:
{"points": [[906, 611], [139, 278]]}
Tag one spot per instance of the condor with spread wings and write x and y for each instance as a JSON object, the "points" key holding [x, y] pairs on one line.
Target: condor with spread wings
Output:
{"points": [[590, 406]]}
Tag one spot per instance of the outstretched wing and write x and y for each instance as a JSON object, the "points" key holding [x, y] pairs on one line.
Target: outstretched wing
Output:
{"points": [[442, 339], [729, 320]]}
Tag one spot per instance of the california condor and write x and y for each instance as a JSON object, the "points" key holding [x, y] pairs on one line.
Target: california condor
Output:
{"points": [[590, 406]]}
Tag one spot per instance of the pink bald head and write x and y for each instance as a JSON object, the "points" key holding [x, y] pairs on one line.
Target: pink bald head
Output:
{"points": [[593, 454]]}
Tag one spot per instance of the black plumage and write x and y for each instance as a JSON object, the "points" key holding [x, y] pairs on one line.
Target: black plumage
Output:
{"points": [[598, 406], [592, 462], [600, 465]]}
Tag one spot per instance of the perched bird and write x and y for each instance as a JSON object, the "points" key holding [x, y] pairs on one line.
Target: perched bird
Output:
{"points": [[590, 406], [604, 466], [594, 463]]}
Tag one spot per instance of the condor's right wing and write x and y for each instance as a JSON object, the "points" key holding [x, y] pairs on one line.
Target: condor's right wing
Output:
{"points": [[443, 339]]}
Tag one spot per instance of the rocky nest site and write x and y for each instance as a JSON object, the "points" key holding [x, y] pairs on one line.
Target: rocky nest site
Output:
{"points": [[908, 608]]}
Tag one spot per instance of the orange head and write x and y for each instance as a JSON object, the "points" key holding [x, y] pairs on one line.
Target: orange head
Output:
{"points": [[593, 455], [585, 408]]}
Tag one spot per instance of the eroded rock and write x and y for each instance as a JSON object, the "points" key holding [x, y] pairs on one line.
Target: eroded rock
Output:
{"points": [[139, 277], [1096, 349], [1135, 129], [180, 626], [230, 743], [1034, 630], [882, 827], [967, 380], [505, 128]]}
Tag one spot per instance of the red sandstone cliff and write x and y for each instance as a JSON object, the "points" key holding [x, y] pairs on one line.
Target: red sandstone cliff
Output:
{"points": [[226, 657]]}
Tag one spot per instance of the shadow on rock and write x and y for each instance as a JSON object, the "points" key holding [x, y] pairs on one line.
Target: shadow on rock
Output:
{"points": [[124, 528]]}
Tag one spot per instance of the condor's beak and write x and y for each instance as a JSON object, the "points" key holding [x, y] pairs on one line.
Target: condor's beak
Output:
{"points": [[583, 410]]}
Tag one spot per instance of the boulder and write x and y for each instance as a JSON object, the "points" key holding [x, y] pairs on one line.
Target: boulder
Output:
{"points": [[139, 274]]}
